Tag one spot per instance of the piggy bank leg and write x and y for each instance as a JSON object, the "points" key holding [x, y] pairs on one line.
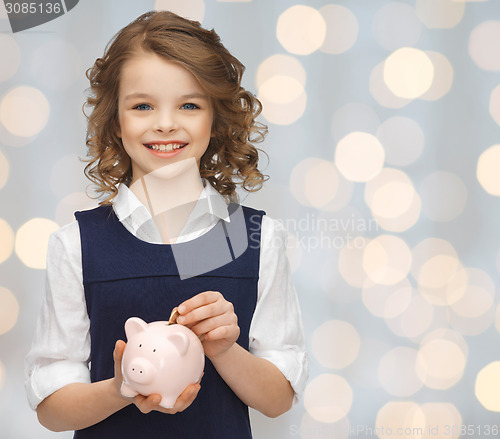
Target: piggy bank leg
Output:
{"points": [[167, 403], [127, 391]]}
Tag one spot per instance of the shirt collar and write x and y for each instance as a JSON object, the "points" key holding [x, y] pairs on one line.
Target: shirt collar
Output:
{"points": [[128, 207], [216, 203]]}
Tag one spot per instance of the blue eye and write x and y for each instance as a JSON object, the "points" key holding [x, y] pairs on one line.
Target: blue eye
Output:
{"points": [[190, 107], [143, 107]]}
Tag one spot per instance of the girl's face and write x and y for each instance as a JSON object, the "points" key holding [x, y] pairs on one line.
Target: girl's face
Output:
{"points": [[164, 114]]}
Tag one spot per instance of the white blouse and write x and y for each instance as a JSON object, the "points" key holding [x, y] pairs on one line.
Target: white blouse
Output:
{"points": [[61, 346]]}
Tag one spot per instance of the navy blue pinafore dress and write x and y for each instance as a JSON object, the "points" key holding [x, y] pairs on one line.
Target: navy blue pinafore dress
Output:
{"points": [[124, 277]]}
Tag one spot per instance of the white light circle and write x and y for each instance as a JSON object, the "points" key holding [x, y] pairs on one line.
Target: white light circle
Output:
{"points": [[443, 77], [414, 320], [280, 89], [396, 372], [314, 182], [440, 363], [487, 388], [390, 194], [387, 260], [478, 295], [341, 29], [471, 326], [284, 114], [427, 249], [483, 45], [280, 81], [9, 310], [405, 417], [387, 301], [280, 65], [487, 170], [408, 72], [381, 92], [32, 240], [301, 30], [24, 111], [359, 156], [328, 398], [441, 417], [335, 344], [440, 14]]}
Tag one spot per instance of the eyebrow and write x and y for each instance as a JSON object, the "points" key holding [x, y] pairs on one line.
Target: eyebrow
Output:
{"points": [[195, 96], [137, 95], [183, 97]]}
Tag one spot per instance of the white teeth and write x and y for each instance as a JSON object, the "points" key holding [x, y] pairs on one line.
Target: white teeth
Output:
{"points": [[165, 148]]}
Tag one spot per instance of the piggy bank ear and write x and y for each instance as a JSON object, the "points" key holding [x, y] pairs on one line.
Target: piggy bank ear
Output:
{"points": [[180, 341], [134, 325]]}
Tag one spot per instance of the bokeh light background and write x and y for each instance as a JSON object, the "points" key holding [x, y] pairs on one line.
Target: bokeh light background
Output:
{"points": [[384, 151]]}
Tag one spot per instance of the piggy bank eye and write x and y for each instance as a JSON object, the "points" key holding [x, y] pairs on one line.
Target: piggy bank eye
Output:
{"points": [[140, 345], [154, 350]]}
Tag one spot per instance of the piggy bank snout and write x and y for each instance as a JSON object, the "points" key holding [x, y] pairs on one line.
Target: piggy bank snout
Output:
{"points": [[140, 370]]}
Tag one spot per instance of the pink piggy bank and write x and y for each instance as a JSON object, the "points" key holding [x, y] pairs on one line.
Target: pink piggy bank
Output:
{"points": [[160, 358]]}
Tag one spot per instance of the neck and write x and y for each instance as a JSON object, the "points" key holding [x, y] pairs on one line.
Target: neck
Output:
{"points": [[170, 194]]}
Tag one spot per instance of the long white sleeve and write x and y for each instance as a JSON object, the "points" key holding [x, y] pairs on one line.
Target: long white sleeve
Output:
{"points": [[60, 351], [276, 332]]}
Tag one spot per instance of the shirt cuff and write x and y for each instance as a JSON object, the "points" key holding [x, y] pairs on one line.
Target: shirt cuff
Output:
{"points": [[292, 363], [45, 380]]}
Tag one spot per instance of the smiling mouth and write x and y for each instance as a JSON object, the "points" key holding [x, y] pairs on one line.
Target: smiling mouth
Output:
{"points": [[165, 148]]}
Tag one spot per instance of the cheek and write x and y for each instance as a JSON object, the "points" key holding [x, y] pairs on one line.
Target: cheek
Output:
{"points": [[206, 129], [129, 128]]}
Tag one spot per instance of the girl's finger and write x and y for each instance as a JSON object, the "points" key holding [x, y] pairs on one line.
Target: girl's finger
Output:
{"points": [[212, 323], [143, 404], [152, 402], [200, 299], [230, 332], [202, 313], [186, 398], [117, 357]]}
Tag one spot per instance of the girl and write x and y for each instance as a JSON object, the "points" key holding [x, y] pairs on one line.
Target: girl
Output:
{"points": [[168, 95]]}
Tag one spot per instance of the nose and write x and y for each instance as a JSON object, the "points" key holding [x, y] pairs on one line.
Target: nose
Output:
{"points": [[140, 371], [166, 122]]}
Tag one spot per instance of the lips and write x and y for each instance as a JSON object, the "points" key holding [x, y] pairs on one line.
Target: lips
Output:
{"points": [[165, 147]]}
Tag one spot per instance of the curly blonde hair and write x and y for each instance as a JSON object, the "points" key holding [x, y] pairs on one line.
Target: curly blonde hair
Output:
{"points": [[230, 155]]}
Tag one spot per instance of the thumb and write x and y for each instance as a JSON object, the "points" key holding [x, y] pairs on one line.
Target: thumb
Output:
{"points": [[117, 356]]}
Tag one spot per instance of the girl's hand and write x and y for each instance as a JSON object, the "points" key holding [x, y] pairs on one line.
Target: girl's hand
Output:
{"points": [[148, 403], [212, 319]]}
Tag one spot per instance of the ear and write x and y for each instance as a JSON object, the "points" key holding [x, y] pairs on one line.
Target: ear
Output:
{"points": [[180, 341], [134, 325]]}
